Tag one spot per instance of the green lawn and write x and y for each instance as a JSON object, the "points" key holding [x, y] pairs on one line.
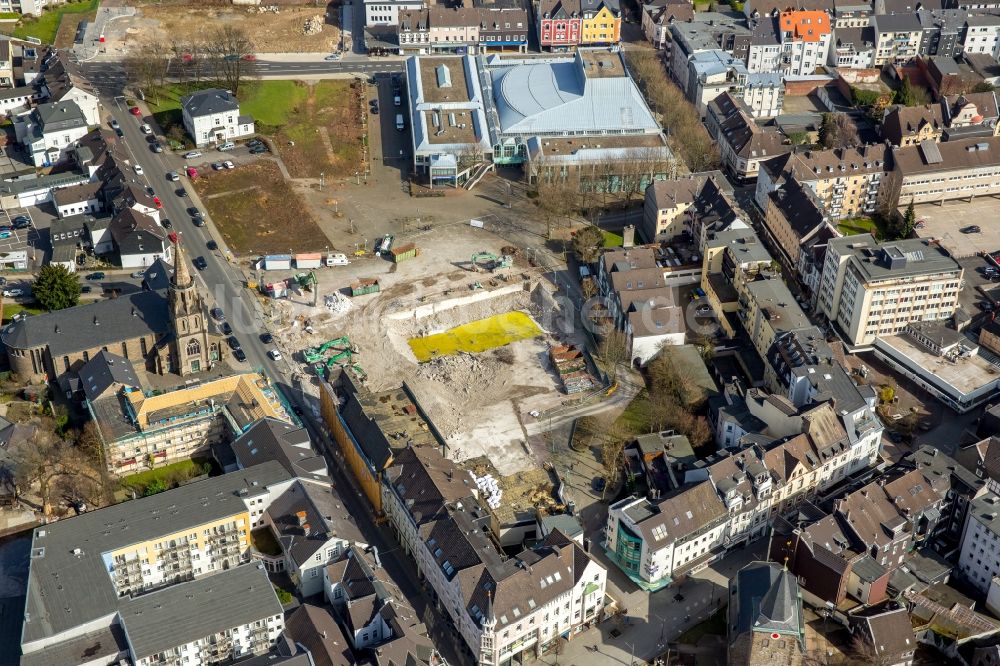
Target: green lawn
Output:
{"points": [[45, 26], [860, 225], [171, 474], [11, 309], [635, 418], [715, 625], [270, 102], [611, 239]]}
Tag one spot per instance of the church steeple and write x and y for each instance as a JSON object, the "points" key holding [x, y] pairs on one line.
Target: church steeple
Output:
{"points": [[182, 277], [191, 349]]}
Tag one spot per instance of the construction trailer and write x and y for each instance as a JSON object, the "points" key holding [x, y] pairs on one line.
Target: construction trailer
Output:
{"points": [[404, 252], [309, 260], [365, 286], [277, 262]]}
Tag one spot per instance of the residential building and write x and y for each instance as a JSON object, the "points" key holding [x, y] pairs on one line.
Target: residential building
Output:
{"points": [[897, 38], [655, 541], [212, 116], [982, 34], [601, 22], [315, 629], [766, 624], [139, 240], [847, 181], [943, 31], [971, 111], [792, 218], [711, 73], [872, 289], [49, 132], [82, 199], [937, 172], [708, 31], [559, 24], [910, 125], [979, 558], [743, 144], [503, 608], [670, 206], [62, 81], [659, 15], [386, 12], [889, 634], [805, 41], [468, 29], [853, 48], [856, 15], [173, 569]]}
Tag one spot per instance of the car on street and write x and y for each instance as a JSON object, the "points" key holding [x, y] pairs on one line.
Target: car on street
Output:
{"points": [[240, 355], [181, 192], [274, 354], [114, 124], [258, 149], [21, 222], [229, 164], [200, 263], [333, 57], [138, 274], [198, 221], [249, 57], [119, 132], [266, 338], [157, 202], [96, 276], [190, 155], [137, 168], [212, 245], [145, 129], [217, 166], [156, 147], [599, 483], [86, 289], [194, 212], [135, 111], [13, 293], [173, 176], [217, 313], [226, 328], [167, 224], [971, 229], [233, 342]]}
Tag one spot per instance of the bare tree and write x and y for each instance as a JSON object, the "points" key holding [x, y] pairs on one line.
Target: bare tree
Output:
{"points": [[838, 131], [556, 201], [45, 458], [231, 52], [613, 439], [142, 69], [613, 351]]}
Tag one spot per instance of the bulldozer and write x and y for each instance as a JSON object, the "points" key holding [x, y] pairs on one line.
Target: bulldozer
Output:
{"points": [[491, 261]]}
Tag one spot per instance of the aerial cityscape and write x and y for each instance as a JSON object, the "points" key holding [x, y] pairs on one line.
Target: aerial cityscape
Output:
{"points": [[499, 332]]}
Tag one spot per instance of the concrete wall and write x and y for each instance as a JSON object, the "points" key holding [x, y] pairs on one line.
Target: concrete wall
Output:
{"points": [[475, 297]]}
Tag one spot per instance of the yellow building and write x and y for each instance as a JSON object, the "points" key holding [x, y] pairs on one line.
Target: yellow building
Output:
{"points": [[601, 24]]}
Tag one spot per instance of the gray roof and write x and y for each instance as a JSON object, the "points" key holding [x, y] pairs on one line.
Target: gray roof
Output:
{"points": [[91, 325], [537, 97], [197, 609], [104, 371], [868, 569], [60, 116], [565, 523], [894, 260], [324, 513], [157, 276], [31, 183], [767, 600], [66, 590], [896, 23], [270, 439], [208, 102]]}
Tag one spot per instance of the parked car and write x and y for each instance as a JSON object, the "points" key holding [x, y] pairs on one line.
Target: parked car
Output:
{"points": [[212, 245], [333, 57], [191, 172], [200, 263], [119, 132], [13, 293], [217, 313], [86, 289], [173, 176], [240, 355], [156, 147], [226, 328], [138, 274], [135, 111], [166, 223], [191, 154], [194, 212], [233, 342], [274, 354], [258, 149], [96, 276], [229, 164], [137, 168], [971, 229], [217, 166], [228, 145], [114, 124], [266, 338], [21, 222], [145, 129], [181, 192]]}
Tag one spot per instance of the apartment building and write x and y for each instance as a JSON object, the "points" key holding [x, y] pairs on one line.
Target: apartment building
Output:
{"points": [[212, 116], [95, 570], [872, 289], [982, 34], [792, 218], [386, 12], [910, 125], [979, 557], [658, 15], [565, 24], [743, 144], [853, 47], [50, 131], [847, 181], [463, 29], [805, 41], [937, 172], [708, 32], [670, 206], [897, 38], [601, 22], [503, 608], [943, 31]]}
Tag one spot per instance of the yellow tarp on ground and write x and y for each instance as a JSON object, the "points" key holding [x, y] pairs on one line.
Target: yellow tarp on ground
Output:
{"points": [[476, 336]]}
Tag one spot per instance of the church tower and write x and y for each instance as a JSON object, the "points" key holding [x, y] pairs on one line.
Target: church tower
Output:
{"points": [[190, 348]]}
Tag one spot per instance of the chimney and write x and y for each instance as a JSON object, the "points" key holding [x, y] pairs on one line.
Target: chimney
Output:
{"points": [[628, 236], [301, 515], [306, 529]]}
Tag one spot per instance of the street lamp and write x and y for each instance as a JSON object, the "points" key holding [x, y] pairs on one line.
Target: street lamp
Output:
{"points": [[631, 654], [322, 179]]}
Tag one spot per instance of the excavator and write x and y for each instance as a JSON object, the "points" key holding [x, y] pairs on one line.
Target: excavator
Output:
{"points": [[315, 354], [492, 261]]}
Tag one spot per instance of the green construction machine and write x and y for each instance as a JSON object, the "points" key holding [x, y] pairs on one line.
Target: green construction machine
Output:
{"points": [[315, 354], [491, 261]]}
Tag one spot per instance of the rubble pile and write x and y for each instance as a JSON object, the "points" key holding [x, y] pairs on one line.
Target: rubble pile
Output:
{"points": [[314, 25]]}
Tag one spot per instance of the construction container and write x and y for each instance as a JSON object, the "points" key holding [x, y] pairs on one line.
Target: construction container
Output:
{"points": [[277, 262], [404, 252], [310, 260], [571, 365], [336, 259], [365, 286], [276, 289]]}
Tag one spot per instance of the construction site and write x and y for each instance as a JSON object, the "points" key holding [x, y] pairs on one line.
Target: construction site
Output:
{"points": [[466, 323]]}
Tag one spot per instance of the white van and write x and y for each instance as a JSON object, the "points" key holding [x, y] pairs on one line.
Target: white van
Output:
{"points": [[336, 259], [400, 123], [228, 145]]}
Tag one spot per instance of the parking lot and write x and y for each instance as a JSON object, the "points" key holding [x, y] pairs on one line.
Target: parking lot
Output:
{"points": [[977, 284], [946, 221]]}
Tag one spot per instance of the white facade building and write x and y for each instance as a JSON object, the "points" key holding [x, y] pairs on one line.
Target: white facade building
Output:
{"points": [[50, 131], [213, 117], [979, 559], [982, 35], [386, 12]]}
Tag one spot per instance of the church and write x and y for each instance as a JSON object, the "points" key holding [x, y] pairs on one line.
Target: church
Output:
{"points": [[163, 329]]}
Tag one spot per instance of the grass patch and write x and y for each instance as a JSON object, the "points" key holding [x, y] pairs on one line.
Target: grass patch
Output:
{"points": [[44, 27], [635, 417], [257, 212], [861, 225], [271, 103], [171, 475], [713, 626], [11, 309], [263, 540], [611, 239], [284, 596]]}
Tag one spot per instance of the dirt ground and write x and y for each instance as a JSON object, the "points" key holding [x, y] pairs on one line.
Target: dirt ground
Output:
{"points": [[280, 32], [257, 212], [325, 135], [479, 402]]}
